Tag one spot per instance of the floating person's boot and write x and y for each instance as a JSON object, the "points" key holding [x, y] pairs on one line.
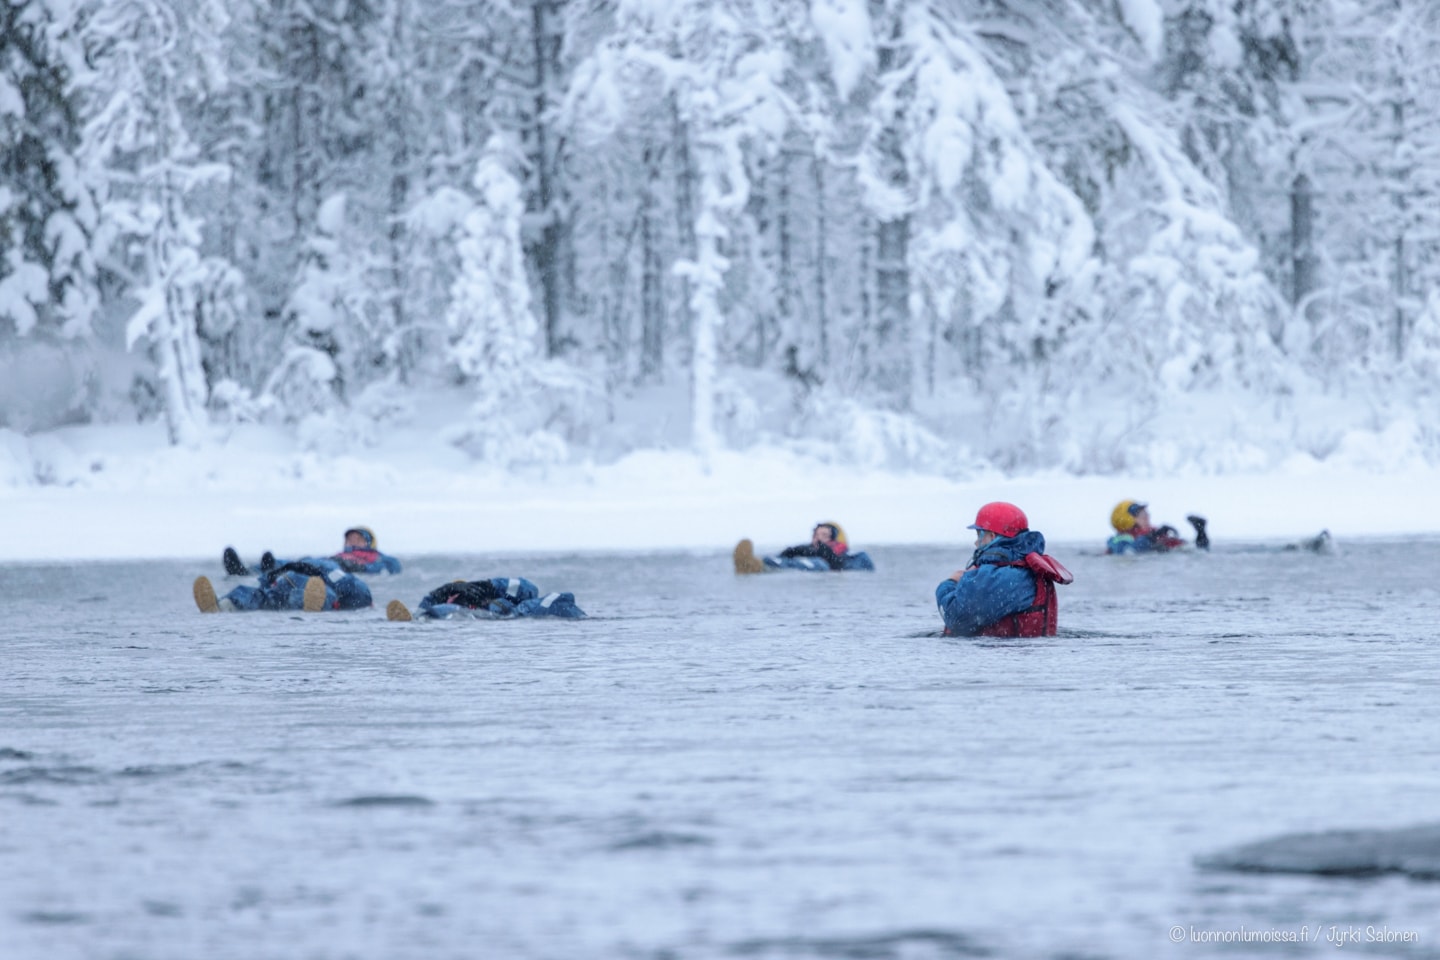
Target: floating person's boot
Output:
{"points": [[745, 559], [205, 596], [267, 564], [1202, 539], [314, 595], [233, 564], [395, 610]]}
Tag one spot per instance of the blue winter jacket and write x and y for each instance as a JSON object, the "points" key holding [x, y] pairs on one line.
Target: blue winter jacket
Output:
{"points": [[987, 592]]}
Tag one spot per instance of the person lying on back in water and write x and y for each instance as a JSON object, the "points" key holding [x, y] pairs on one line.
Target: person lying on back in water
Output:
{"points": [[297, 585], [498, 597], [828, 548], [1008, 590], [358, 555], [1134, 534], [827, 541]]}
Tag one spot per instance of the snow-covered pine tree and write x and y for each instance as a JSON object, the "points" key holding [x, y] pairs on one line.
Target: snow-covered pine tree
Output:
{"points": [[48, 279], [331, 311], [1173, 323], [987, 250], [1393, 144], [150, 61], [971, 305], [620, 113], [719, 74], [494, 336]]}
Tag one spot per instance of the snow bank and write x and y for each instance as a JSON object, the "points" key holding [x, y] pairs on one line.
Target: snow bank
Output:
{"points": [[113, 493]]}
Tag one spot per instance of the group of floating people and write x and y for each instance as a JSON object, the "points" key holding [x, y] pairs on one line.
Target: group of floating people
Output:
{"points": [[313, 584], [1008, 589]]}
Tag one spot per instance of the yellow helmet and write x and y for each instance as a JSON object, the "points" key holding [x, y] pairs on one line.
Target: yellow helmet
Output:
{"points": [[837, 532], [1122, 518]]}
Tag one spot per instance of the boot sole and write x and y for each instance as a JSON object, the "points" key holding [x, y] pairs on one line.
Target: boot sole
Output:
{"points": [[205, 595], [745, 559], [314, 595], [395, 610]]}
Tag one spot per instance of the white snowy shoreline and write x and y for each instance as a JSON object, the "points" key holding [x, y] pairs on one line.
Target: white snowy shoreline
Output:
{"points": [[124, 497]]}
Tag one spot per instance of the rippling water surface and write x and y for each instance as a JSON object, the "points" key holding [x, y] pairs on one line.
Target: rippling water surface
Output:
{"points": [[784, 766]]}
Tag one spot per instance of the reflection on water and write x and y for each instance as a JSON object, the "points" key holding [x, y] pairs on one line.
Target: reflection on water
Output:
{"points": [[789, 765]]}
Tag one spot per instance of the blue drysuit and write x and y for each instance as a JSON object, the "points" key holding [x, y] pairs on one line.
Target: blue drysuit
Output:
{"points": [[285, 590], [1160, 540], [988, 592], [499, 597]]}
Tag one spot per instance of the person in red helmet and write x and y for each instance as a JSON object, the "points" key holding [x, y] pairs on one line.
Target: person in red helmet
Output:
{"points": [[1008, 590]]}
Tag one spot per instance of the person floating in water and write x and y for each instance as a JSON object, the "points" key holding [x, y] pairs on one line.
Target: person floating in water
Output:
{"points": [[359, 554], [1134, 533], [296, 585], [497, 598], [1008, 589], [828, 549], [1320, 543]]}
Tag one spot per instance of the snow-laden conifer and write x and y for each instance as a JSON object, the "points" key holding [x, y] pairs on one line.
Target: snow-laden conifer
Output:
{"points": [[494, 336]]}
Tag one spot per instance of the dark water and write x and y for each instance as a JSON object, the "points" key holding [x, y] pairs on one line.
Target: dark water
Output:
{"points": [[784, 766]]}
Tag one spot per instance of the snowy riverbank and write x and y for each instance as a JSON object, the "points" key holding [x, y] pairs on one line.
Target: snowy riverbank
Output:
{"points": [[116, 493]]}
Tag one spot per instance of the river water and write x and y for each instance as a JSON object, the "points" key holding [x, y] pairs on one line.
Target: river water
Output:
{"points": [[781, 766]]}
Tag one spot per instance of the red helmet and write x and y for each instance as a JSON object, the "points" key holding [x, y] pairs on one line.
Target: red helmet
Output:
{"points": [[1000, 517]]}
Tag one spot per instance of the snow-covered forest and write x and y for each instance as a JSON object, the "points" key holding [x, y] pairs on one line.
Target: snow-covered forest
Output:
{"points": [[1088, 235]]}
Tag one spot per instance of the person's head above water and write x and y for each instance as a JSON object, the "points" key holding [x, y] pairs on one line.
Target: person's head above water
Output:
{"points": [[360, 538], [1130, 515], [828, 531], [998, 519]]}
